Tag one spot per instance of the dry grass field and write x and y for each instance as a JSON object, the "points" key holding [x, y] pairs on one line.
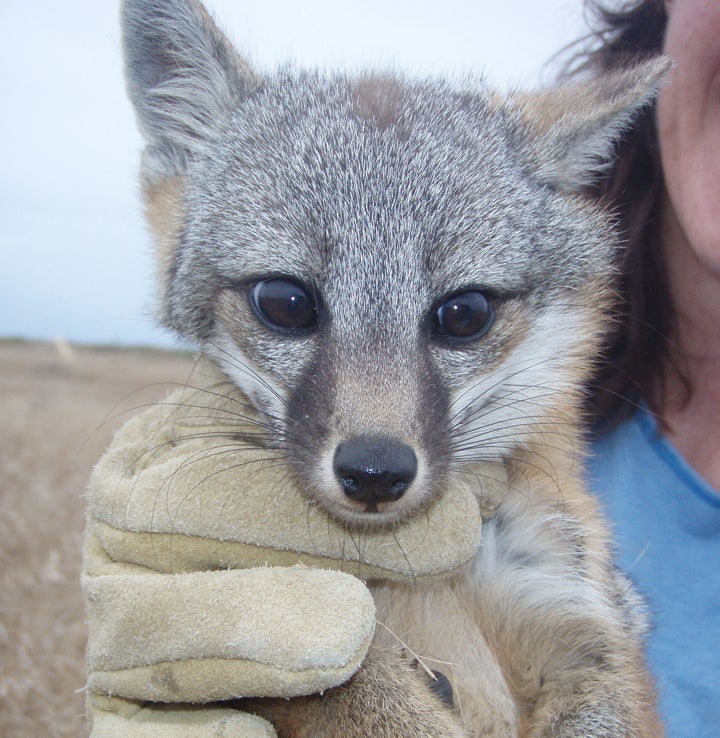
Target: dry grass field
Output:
{"points": [[58, 409]]}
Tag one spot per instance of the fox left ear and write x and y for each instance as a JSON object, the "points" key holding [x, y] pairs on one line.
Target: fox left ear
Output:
{"points": [[573, 128]]}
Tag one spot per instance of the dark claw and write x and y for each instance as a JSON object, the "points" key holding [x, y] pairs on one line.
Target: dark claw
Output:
{"points": [[442, 688]]}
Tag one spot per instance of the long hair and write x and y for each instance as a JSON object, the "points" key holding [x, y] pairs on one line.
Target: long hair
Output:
{"points": [[630, 368]]}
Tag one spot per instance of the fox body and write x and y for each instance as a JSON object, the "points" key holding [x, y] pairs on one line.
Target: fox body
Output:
{"points": [[406, 281]]}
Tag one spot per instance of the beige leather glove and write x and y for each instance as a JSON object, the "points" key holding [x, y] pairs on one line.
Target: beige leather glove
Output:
{"points": [[209, 576]]}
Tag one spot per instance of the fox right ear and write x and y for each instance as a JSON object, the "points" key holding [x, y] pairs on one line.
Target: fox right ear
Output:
{"points": [[182, 75]]}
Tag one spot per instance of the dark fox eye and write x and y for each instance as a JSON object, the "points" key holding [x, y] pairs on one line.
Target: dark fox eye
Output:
{"points": [[282, 304], [464, 316]]}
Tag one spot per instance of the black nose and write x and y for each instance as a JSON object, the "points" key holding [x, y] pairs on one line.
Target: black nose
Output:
{"points": [[374, 470]]}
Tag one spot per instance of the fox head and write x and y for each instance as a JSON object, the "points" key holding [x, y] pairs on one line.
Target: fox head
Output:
{"points": [[402, 276]]}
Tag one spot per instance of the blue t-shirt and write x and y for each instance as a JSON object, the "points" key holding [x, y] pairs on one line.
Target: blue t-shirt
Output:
{"points": [[666, 524]]}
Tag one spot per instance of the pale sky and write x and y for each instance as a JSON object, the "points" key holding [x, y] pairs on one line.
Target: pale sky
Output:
{"points": [[75, 259]]}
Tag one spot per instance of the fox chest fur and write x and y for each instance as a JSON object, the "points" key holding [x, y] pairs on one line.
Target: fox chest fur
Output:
{"points": [[405, 279]]}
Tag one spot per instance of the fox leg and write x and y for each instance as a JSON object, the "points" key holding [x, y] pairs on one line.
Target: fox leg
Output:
{"points": [[565, 625], [386, 698]]}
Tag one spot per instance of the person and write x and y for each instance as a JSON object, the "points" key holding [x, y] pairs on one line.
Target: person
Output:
{"points": [[656, 397]]}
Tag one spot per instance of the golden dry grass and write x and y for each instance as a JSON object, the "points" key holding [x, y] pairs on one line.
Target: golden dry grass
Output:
{"points": [[58, 408]]}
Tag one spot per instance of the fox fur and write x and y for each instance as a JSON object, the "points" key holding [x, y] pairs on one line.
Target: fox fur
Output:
{"points": [[382, 198]]}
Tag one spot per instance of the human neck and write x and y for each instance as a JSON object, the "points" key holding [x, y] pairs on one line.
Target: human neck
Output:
{"points": [[692, 421]]}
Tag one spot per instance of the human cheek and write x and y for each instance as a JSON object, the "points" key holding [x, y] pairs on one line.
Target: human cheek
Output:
{"points": [[688, 118]]}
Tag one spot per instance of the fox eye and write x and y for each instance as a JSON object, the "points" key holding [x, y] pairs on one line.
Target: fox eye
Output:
{"points": [[464, 316], [283, 305]]}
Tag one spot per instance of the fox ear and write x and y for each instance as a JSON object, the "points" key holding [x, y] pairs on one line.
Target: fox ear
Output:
{"points": [[574, 127], [182, 74]]}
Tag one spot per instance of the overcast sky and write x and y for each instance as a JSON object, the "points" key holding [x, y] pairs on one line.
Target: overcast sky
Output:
{"points": [[74, 255]]}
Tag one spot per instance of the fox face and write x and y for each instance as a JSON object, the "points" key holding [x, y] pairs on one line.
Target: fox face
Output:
{"points": [[401, 275]]}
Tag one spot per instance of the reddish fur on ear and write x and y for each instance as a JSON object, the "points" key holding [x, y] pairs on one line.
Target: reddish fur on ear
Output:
{"points": [[165, 213], [576, 126]]}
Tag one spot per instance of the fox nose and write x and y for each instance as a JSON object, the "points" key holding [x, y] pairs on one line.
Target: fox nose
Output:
{"points": [[374, 470]]}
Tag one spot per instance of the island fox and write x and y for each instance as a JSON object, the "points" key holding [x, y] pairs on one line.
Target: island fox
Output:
{"points": [[409, 280]]}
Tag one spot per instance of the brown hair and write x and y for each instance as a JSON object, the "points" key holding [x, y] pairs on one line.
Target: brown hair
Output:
{"points": [[638, 347]]}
